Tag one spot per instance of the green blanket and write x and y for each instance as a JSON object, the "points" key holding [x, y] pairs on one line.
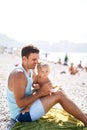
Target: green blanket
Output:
{"points": [[55, 119]]}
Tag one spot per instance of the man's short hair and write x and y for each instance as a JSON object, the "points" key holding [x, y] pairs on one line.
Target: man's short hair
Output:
{"points": [[27, 50]]}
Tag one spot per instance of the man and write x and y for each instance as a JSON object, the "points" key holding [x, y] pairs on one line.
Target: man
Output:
{"points": [[20, 95]]}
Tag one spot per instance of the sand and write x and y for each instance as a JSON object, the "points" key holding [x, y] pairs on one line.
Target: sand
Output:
{"points": [[75, 86]]}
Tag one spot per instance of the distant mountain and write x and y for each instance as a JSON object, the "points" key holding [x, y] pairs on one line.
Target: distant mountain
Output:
{"points": [[62, 46], [8, 42]]}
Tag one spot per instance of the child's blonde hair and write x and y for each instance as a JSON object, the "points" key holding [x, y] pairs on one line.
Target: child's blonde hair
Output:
{"points": [[42, 64]]}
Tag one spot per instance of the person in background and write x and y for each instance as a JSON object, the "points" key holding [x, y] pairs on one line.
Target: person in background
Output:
{"points": [[46, 55], [80, 65], [59, 61], [73, 70], [20, 94], [66, 59], [85, 67]]}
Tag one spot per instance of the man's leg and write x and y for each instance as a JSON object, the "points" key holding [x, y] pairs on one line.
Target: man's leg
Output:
{"points": [[66, 103]]}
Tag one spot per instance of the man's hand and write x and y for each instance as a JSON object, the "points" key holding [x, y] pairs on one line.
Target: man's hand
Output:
{"points": [[45, 89], [36, 86]]}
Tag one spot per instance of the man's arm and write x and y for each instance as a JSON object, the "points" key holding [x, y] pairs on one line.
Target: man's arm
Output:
{"points": [[19, 87]]}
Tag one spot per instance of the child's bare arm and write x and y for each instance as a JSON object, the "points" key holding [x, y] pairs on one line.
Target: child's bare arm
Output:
{"points": [[35, 84]]}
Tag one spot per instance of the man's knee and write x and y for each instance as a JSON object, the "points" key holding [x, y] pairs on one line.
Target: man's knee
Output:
{"points": [[60, 95]]}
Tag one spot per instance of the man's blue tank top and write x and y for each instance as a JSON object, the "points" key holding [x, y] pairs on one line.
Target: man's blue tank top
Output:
{"points": [[13, 107]]}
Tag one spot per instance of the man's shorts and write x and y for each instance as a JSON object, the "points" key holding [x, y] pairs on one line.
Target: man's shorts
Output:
{"points": [[35, 112]]}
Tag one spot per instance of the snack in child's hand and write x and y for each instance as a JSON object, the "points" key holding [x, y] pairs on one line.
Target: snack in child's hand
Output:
{"points": [[54, 88]]}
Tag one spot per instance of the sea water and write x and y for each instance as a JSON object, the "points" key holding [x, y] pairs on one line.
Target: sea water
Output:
{"points": [[74, 57]]}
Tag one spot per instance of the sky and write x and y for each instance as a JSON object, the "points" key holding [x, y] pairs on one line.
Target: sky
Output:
{"points": [[44, 20]]}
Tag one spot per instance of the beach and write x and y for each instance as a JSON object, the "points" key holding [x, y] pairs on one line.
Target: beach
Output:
{"points": [[75, 86]]}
